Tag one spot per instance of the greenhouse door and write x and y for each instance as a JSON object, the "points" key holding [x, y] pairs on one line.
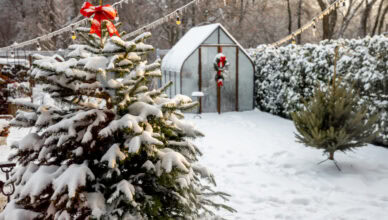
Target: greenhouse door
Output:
{"points": [[216, 99]]}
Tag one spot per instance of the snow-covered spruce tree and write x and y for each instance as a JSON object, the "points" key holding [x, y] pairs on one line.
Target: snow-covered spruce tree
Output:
{"points": [[334, 120], [109, 148]]}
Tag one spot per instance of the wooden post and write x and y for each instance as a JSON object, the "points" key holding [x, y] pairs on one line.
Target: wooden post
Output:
{"points": [[219, 89], [200, 77], [237, 75]]}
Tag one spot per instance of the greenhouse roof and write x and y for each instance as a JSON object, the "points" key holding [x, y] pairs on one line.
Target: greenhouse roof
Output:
{"points": [[176, 57]]}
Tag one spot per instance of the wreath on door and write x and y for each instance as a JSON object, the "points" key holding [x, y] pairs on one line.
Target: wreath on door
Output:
{"points": [[220, 65]]}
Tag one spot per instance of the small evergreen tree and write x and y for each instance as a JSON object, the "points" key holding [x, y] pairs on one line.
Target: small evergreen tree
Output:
{"points": [[334, 120], [109, 148]]}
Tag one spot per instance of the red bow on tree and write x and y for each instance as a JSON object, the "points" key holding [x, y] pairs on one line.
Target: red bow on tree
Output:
{"points": [[101, 13]]}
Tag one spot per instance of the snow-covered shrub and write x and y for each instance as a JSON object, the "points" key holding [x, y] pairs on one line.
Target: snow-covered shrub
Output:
{"points": [[19, 85], [287, 75], [108, 148]]}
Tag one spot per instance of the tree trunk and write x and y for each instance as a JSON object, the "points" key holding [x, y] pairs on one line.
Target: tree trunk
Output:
{"points": [[331, 156], [349, 16], [383, 20], [241, 12], [375, 26], [299, 38], [365, 17], [289, 17], [329, 21], [193, 16]]}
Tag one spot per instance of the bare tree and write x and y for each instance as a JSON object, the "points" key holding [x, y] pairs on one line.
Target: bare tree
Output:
{"points": [[300, 3], [365, 17], [289, 17], [328, 22], [351, 12], [383, 20]]}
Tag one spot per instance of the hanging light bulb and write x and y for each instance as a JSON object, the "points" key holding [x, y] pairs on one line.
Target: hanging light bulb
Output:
{"points": [[178, 18], [12, 54], [73, 36], [293, 40], [38, 46], [314, 28]]}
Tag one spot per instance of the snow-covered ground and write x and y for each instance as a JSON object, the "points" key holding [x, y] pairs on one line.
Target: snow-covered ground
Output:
{"points": [[254, 157], [5, 150]]}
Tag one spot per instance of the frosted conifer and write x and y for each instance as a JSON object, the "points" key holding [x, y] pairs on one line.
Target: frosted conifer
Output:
{"points": [[335, 120], [109, 147]]}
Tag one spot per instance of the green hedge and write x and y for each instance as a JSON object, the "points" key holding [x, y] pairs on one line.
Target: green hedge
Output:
{"points": [[287, 75]]}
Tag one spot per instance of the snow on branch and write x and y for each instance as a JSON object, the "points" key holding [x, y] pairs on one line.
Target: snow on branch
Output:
{"points": [[125, 188], [73, 178], [112, 155], [169, 159]]}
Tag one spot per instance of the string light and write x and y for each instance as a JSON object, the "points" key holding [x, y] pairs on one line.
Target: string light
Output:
{"points": [[178, 20], [85, 21], [38, 47], [312, 24], [165, 19], [73, 35], [314, 28]]}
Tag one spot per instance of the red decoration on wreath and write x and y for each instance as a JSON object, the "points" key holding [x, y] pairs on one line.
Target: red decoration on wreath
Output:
{"points": [[101, 13], [219, 65]]}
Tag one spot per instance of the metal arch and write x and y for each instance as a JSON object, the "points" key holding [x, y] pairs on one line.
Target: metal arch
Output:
{"points": [[7, 168]]}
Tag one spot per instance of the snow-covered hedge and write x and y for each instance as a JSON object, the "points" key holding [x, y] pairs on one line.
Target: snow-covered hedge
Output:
{"points": [[287, 75]]}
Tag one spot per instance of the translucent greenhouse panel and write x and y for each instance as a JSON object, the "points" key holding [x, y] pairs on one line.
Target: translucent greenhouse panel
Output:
{"points": [[228, 91], [209, 87], [177, 83], [246, 74], [190, 77], [168, 80], [224, 38], [212, 39]]}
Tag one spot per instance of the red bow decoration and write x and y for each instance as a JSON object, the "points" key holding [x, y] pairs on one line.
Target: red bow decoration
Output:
{"points": [[220, 82], [220, 78], [101, 13], [222, 62]]}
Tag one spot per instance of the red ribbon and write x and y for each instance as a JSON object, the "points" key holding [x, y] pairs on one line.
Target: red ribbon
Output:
{"points": [[221, 64], [222, 61], [220, 82], [101, 13]]}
